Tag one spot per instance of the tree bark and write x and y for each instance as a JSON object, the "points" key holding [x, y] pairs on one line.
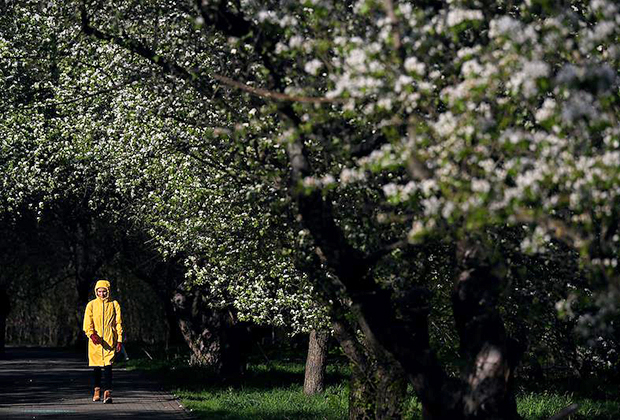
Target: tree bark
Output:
{"points": [[378, 385], [491, 356], [391, 392], [314, 380], [361, 392], [215, 339], [200, 327]]}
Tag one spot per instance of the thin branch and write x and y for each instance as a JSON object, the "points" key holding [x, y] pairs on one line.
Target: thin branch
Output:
{"points": [[377, 255], [137, 48], [212, 163], [264, 93], [219, 167]]}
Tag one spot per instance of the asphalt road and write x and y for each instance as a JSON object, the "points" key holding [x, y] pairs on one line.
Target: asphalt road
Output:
{"points": [[55, 384]]}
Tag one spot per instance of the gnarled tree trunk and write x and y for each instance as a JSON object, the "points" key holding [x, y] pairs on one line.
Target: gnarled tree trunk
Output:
{"points": [[361, 392], [378, 385], [485, 390], [200, 327], [213, 336]]}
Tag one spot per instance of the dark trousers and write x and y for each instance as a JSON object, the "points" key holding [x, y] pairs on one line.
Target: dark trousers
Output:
{"points": [[107, 377]]}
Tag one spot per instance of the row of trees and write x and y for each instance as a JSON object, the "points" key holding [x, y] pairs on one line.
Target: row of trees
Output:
{"points": [[426, 179]]}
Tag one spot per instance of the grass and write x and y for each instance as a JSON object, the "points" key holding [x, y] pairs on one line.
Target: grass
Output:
{"points": [[271, 391], [268, 391], [597, 398], [274, 391], [544, 405], [277, 403]]}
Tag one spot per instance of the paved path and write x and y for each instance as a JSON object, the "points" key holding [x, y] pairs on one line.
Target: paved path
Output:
{"points": [[52, 384]]}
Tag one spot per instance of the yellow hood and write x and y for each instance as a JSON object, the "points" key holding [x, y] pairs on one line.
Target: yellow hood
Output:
{"points": [[102, 283]]}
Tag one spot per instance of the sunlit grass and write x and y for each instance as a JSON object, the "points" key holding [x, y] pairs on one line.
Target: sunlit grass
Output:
{"points": [[274, 391], [274, 403]]}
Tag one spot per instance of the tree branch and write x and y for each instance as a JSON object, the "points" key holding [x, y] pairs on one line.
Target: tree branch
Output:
{"points": [[385, 250], [269, 94]]}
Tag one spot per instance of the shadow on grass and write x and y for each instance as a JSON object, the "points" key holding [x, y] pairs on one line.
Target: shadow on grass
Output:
{"points": [[600, 388], [258, 376], [596, 397], [266, 391], [286, 414]]}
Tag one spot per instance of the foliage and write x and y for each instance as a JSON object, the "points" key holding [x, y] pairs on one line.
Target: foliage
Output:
{"points": [[404, 128], [118, 150]]}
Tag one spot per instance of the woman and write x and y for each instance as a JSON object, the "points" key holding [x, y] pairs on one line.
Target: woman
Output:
{"points": [[103, 326]]}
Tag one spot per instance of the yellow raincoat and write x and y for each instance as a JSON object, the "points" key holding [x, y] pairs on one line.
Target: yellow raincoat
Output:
{"points": [[103, 317]]}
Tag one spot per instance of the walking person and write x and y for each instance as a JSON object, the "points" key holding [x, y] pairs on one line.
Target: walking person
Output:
{"points": [[103, 326]]}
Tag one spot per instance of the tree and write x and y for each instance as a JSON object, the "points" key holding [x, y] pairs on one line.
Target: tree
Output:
{"points": [[464, 116]]}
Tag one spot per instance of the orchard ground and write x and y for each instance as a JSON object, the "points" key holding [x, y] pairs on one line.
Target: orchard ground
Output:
{"points": [[273, 389]]}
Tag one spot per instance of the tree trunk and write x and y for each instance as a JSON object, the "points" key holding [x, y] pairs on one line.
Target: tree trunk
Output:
{"points": [[391, 389], [491, 357], [200, 327], [378, 385], [235, 342], [215, 339], [314, 380], [362, 395]]}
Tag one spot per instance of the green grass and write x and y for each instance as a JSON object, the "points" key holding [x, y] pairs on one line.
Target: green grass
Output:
{"points": [[268, 391], [544, 405], [276, 403], [274, 391], [597, 398], [271, 391]]}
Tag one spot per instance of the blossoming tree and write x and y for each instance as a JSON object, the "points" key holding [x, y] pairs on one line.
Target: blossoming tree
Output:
{"points": [[470, 114]]}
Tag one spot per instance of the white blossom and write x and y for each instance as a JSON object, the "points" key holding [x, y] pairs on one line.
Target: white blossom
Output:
{"points": [[458, 16], [413, 65], [313, 66]]}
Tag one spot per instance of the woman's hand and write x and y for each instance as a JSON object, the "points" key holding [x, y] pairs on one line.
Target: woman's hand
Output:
{"points": [[118, 346], [96, 339]]}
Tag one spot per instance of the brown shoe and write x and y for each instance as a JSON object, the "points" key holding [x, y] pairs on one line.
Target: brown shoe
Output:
{"points": [[97, 394], [107, 397]]}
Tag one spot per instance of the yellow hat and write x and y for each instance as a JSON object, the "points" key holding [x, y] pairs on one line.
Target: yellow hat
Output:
{"points": [[102, 283]]}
